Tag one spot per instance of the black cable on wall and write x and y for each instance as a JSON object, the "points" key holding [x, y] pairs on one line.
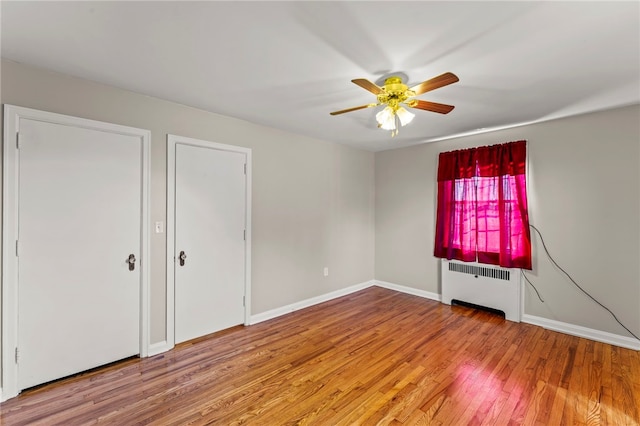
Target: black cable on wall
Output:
{"points": [[574, 283]]}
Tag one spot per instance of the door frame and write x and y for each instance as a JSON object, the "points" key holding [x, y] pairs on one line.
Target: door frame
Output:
{"points": [[172, 142], [10, 187]]}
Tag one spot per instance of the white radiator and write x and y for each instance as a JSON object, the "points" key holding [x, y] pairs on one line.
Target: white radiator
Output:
{"points": [[484, 285]]}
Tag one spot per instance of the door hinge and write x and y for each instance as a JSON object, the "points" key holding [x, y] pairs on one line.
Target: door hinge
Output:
{"points": [[17, 248], [17, 140], [245, 168], [245, 235], [244, 301], [16, 355]]}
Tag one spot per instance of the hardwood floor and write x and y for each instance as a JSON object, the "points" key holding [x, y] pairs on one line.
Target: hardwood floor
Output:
{"points": [[373, 357]]}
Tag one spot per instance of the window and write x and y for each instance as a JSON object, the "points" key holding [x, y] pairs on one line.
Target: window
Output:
{"points": [[482, 206]]}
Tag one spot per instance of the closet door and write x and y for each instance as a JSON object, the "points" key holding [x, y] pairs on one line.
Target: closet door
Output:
{"points": [[210, 249], [79, 249]]}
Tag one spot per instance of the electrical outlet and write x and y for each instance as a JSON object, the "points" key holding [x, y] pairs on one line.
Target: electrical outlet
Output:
{"points": [[159, 227], [326, 271]]}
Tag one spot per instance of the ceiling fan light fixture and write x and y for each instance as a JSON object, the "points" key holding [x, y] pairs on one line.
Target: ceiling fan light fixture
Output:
{"points": [[392, 117], [395, 93]]}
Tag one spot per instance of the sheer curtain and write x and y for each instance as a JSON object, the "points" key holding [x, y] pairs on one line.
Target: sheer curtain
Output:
{"points": [[482, 206]]}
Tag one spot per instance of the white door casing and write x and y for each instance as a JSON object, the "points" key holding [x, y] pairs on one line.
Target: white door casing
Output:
{"points": [[102, 170], [208, 200]]}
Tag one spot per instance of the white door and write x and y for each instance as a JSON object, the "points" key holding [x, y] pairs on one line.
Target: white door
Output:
{"points": [[210, 208], [80, 201]]}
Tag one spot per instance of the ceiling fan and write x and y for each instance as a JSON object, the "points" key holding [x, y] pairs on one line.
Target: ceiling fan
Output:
{"points": [[395, 93]]}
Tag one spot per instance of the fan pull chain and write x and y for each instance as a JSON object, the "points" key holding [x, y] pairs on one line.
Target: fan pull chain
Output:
{"points": [[394, 132]]}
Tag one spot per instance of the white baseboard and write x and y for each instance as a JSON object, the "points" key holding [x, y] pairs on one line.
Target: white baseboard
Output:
{"points": [[588, 333], [158, 348], [408, 290], [274, 313]]}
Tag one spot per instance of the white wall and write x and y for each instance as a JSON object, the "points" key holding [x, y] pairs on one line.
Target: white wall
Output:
{"points": [[584, 195], [313, 201]]}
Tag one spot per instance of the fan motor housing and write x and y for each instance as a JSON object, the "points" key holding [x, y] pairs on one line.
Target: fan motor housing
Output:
{"points": [[394, 90]]}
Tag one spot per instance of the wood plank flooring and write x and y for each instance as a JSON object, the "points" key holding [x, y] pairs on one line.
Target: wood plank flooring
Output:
{"points": [[373, 357]]}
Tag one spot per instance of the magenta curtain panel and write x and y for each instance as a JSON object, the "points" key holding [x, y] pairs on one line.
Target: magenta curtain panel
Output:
{"points": [[482, 210]]}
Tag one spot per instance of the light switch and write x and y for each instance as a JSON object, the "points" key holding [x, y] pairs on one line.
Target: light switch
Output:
{"points": [[159, 227], [326, 271]]}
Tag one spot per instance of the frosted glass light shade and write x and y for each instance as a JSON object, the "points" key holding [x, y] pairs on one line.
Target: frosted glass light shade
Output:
{"points": [[386, 119], [404, 116]]}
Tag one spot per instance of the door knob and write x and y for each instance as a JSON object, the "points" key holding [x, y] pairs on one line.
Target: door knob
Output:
{"points": [[132, 262], [182, 258]]}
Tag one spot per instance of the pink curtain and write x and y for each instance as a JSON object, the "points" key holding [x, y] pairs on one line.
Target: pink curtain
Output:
{"points": [[482, 206]]}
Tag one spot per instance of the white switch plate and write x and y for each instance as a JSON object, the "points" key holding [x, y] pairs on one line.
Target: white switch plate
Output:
{"points": [[159, 227], [326, 271]]}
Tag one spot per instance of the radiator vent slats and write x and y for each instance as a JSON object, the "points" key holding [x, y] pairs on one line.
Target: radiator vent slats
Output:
{"points": [[498, 274]]}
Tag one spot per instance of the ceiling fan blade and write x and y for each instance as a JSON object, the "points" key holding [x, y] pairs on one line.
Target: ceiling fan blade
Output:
{"points": [[430, 106], [435, 83], [342, 111], [367, 85]]}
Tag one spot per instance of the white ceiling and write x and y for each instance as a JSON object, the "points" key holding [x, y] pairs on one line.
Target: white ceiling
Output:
{"points": [[288, 64]]}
